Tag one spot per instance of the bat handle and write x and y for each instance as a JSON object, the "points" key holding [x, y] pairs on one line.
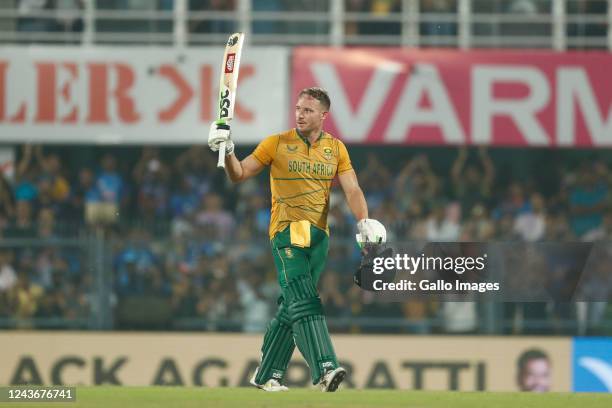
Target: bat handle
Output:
{"points": [[221, 160]]}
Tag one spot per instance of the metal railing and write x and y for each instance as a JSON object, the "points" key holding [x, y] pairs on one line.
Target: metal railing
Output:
{"points": [[556, 24]]}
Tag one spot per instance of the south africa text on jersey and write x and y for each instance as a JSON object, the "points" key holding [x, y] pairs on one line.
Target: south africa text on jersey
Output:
{"points": [[314, 168]]}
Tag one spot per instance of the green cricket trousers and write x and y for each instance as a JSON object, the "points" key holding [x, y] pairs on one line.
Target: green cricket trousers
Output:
{"points": [[300, 253]]}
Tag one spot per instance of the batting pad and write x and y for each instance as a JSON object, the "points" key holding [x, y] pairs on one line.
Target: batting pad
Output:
{"points": [[277, 347], [309, 326]]}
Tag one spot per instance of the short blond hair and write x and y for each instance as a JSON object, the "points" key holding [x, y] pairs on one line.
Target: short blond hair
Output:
{"points": [[317, 93]]}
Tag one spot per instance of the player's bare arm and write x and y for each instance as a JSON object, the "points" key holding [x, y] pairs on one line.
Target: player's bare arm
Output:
{"points": [[369, 230], [241, 170], [354, 195]]}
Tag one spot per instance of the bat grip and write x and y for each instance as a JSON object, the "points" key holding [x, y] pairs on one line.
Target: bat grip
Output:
{"points": [[221, 160]]}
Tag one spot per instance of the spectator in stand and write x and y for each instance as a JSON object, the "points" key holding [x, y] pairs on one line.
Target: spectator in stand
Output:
{"points": [[415, 224], [528, 11], [332, 295], [382, 10], [8, 276], [29, 20], [46, 224], [157, 283], [514, 202], [479, 226], [7, 202], [198, 166], [530, 225], [338, 220], [69, 15], [604, 232], [213, 220], [5, 305], [182, 259], [415, 181], [151, 176], [255, 213], [110, 183], [257, 310], [220, 305], [184, 298], [134, 263], [376, 179], [53, 187], [352, 27], [416, 312], [84, 192], [558, 228], [388, 214], [588, 200], [112, 192], [51, 269], [23, 225], [76, 302], [443, 27], [442, 224], [470, 186], [184, 201], [27, 173], [25, 298], [51, 305]]}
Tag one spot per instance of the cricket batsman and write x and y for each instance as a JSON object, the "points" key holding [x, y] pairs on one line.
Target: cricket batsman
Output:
{"points": [[303, 162]]}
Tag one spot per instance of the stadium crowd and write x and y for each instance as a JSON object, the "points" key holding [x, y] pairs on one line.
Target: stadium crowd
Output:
{"points": [[441, 21], [189, 245]]}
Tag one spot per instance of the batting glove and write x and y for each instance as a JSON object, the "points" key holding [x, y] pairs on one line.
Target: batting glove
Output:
{"points": [[220, 132], [370, 231]]}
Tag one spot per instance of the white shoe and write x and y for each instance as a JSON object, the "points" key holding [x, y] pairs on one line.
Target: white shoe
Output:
{"points": [[272, 385], [331, 380]]}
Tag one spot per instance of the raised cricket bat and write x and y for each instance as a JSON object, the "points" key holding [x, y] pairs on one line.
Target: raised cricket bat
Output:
{"points": [[228, 84]]}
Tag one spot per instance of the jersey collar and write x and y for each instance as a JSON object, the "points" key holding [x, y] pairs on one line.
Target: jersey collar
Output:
{"points": [[305, 140]]}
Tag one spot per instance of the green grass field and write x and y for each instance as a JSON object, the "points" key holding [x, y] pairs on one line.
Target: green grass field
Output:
{"points": [[164, 397]]}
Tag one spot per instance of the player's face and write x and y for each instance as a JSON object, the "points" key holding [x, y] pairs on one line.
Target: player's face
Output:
{"points": [[536, 376], [309, 114]]}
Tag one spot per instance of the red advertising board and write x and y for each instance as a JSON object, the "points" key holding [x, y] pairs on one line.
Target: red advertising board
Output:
{"points": [[135, 95], [450, 97]]}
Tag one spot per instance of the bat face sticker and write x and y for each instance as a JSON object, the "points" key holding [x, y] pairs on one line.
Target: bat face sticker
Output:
{"points": [[232, 40], [229, 63]]}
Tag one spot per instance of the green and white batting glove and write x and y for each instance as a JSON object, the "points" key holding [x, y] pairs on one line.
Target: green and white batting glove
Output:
{"points": [[370, 231], [220, 132]]}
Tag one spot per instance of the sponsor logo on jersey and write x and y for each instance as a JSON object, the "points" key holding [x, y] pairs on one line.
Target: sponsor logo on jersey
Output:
{"points": [[292, 148], [289, 252], [327, 153]]}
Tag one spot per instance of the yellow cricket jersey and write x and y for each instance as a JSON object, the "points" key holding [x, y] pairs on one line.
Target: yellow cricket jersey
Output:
{"points": [[301, 176]]}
